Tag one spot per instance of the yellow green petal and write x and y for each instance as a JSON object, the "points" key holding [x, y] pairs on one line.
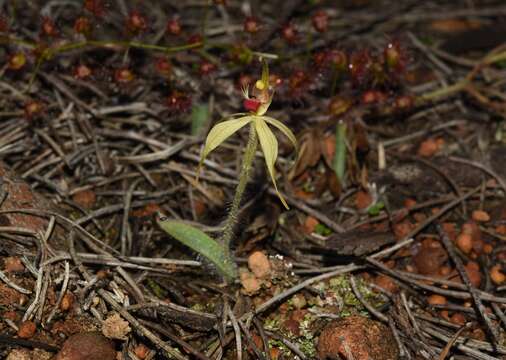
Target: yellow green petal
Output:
{"points": [[269, 146], [284, 129], [262, 109], [220, 132]]}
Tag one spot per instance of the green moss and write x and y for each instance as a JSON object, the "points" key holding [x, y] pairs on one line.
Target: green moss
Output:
{"points": [[159, 292]]}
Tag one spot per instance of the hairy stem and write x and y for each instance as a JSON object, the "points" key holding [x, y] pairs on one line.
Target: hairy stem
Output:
{"points": [[244, 176]]}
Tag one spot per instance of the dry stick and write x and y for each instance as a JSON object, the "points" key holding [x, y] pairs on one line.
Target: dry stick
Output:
{"points": [[294, 289], [16, 287], [237, 331], [434, 289], [465, 278], [265, 341], [164, 331], [446, 350], [62, 293], [293, 347], [498, 311], [308, 210], [411, 318], [408, 239], [482, 167], [364, 302], [484, 295], [464, 348], [12, 341], [402, 352], [126, 236], [427, 51], [251, 343], [173, 353], [446, 177], [124, 313]]}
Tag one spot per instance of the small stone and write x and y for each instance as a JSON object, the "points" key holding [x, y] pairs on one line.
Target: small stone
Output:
{"points": [[141, 351], [363, 200], [67, 301], [249, 282], [259, 264], [85, 198], [387, 283], [19, 354], [497, 275], [473, 272], [428, 148], [87, 346], [364, 338], [13, 264], [27, 329], [429, 260], [480, 216], [437, 300], [458, 318], [465, 242]]}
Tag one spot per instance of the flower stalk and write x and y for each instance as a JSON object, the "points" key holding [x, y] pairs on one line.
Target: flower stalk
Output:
{"points": [[244, 176]]}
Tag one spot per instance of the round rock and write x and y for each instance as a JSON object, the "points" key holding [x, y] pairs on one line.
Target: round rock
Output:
{"points": [[357, 335], [87, 346]]}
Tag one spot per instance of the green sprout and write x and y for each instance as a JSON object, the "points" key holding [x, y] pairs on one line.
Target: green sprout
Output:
{"points": [[218, 252]]}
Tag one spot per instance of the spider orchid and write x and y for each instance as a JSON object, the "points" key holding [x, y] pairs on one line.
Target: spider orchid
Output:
{"points": [[257, 105]]}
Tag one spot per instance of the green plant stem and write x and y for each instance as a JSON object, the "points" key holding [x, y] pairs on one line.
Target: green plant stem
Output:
{"points": [[443, 92], [339, 161], [249, 156]]}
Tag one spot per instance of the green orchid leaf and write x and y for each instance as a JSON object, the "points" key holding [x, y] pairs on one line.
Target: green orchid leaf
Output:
{"points": [[269, 146], [200, 242], [220, 132]]}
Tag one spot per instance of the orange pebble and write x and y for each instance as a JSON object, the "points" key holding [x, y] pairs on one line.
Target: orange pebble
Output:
{"points": [[445, 315], [409, 203], [85, 198], [275, 353], [428, 148], [480, 216], [501, 229], [436, 299], [363, 200], [487, 248], [458, 318], [445, 270], [387, 283], [67, 301], [27, 329], [497, 275], [473, 271], [310, 224], [465, 242]]}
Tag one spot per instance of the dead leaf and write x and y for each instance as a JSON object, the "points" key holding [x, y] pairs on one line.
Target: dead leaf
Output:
{"points": [[309, 151]]}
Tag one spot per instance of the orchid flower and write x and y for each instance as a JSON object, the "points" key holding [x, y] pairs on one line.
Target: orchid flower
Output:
{"points": [[257, 105]]}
